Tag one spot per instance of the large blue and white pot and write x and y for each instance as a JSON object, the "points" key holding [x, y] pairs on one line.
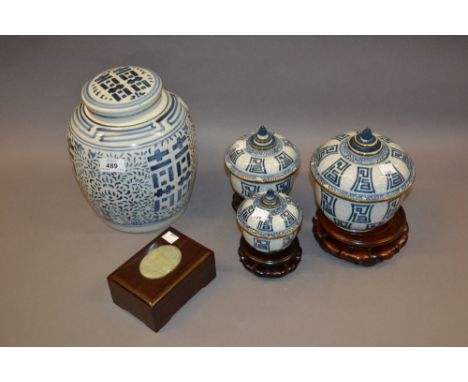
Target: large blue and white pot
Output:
{"points": [[361, 179], [132, 145], [261, 161]]}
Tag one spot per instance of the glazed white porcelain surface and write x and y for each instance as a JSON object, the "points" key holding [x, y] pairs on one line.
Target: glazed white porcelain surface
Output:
{"points": [[357, 190], [132, 145], [270, 221], [261, 161]]}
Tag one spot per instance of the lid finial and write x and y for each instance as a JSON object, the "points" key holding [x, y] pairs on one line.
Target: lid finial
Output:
{"points": [[366, 134], [262, 131], [262, 139], [365, 143], [270, 198]]}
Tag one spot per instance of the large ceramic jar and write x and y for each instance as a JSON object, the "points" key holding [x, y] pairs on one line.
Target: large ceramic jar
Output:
{"points": [[270, 221], [132, 145], [361, 179], [261, 161]]}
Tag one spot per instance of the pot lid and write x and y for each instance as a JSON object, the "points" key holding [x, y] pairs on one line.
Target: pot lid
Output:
{"points": [[363, 166], [269, 214], [121, 91], [262, 157]]}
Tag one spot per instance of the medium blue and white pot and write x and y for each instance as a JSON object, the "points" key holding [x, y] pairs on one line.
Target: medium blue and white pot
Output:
{"points": [[270, 221], [361, 179], [261, 161], [132, 145]]}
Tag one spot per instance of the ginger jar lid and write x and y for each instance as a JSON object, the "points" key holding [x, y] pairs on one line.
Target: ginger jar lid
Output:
{"points": [[121, 92], [262, 157], [269, 214], [363, 166]]}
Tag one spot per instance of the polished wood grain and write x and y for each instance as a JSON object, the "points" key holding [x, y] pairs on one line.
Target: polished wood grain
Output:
{"points": [[362, 248]]}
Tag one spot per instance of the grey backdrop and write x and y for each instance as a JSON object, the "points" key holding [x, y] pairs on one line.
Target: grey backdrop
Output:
{"points": [[56, 253]]}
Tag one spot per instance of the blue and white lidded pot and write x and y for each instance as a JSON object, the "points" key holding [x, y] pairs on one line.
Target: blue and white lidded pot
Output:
{"points": [[261, 161], [361, 179], [132, 145], [270, 221]]}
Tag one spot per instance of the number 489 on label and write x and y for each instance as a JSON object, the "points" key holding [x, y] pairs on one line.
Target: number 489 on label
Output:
{"points": [[111, 165]]}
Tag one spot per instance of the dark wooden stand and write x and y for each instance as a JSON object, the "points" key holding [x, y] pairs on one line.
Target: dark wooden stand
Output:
{"points": [[236, 200], [366, 248], [272, 265]]}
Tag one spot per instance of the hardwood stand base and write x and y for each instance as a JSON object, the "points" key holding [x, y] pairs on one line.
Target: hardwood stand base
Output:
{"points": [[236, 200], [364, 248], [272, 265]]}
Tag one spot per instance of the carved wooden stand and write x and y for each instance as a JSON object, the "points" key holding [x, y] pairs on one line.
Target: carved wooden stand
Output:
{"points": [[366, 248], [236, 200], [272, 265]]}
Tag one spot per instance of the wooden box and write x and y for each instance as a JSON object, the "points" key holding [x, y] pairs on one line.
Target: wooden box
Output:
{"points": [[155, 300]]}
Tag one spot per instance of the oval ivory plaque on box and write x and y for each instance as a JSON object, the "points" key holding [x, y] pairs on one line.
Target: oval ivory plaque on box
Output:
{"points": [[160, 261]]}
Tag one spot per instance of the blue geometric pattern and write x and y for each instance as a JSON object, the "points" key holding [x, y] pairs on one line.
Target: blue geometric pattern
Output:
{"points": [[163, 167], [392, 206], [334, 172], [287, 240], [235, 154], [395, 179], [350, 155], [248, 211], [249, 189], [265, 225], [363, 182], [284, 160], [324, 152], [403, 157], [122, 83], [341, 137], [361, 213], [342, 224], [385, 139], [261, 244], [327, 202], [284, 186], [256, 166], [288, 218]]}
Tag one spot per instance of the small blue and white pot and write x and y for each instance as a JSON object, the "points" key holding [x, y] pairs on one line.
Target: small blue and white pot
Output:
{"points": [[361, 179], [132, 145], [261, 161], [270, 221]]}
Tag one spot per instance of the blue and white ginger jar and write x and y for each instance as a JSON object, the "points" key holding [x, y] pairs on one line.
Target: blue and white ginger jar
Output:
{"points": [[132, 145], [361, 179], [270, 221], [261, 161]]}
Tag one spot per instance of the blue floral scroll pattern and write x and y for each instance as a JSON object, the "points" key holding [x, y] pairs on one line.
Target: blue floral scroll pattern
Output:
{"points": [[129, 198]]}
